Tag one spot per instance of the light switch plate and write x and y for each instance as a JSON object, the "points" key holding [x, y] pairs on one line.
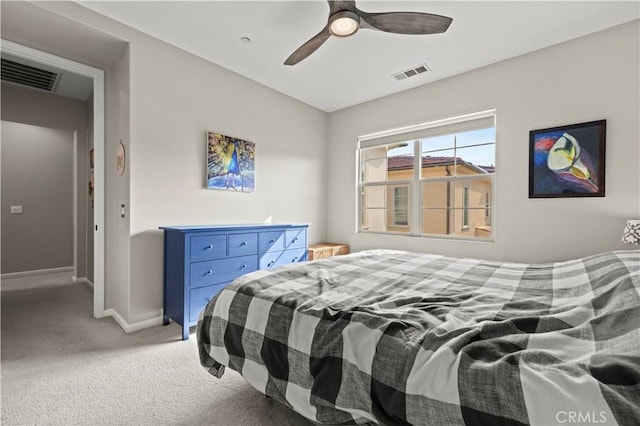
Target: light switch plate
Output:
{"points": [[16, 209]]}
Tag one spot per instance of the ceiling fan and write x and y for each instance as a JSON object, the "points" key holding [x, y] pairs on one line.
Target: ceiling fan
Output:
{"points": [[345, 19]]}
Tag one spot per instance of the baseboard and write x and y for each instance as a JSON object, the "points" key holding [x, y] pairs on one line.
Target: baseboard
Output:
{"points": [[83, 280], [36, 279], [36, 272], [88, 283], [130, 328]]}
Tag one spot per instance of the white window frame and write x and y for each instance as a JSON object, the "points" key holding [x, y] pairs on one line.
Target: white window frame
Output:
{"points": [[416, 132]]}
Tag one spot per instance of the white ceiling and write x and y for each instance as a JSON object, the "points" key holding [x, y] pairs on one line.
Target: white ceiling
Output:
{"points": [[345, 72]]}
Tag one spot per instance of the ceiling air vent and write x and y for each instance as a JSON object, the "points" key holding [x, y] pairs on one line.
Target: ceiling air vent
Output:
{"points": [[411, 72], [26, 75]]}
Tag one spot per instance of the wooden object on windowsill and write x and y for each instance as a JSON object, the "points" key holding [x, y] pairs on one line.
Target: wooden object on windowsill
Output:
{"points": [[324, 250]]}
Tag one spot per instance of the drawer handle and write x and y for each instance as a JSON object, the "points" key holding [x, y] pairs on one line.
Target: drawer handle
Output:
{"points": [[271, 263], [244, 266], [209, 247], [209, 272], [294, 259], [295, 239], [272, 241], [244, 243]]}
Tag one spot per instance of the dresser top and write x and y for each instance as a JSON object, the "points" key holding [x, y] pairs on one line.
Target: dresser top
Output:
{"points": [[234, 227]]}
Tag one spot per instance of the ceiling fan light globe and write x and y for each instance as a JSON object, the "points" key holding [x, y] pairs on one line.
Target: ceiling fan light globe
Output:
{"points": [[344, 24]]}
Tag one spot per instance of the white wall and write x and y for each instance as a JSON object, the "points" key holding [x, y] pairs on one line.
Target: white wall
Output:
{"points": [[591, 78], [176, 98], [37, 174]]}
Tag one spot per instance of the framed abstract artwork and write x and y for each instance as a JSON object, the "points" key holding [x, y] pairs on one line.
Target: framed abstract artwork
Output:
{"points": [[567, 161], [230, 163]]}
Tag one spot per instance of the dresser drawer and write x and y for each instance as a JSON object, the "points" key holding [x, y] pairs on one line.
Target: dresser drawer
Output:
{"points": [[271, 241], [273, 259], [199, 298], [240, 244], [296, 238], [218, 271], [208, 247]]}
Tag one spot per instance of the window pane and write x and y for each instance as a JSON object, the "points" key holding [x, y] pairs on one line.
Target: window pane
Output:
{"points": [[477, 193], [374, 196], [436, 221], [373, 220], [476, 160], [400, 148], [374, 170], [400, 161], [373, 153], [476, 137], [385, 208], [436, 195], [437, 143], [387, 163], [401, 206], [438, 164], [472, 221]]}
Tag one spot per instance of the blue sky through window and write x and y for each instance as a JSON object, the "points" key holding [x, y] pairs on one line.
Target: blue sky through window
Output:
{"points": [[439, 146]]}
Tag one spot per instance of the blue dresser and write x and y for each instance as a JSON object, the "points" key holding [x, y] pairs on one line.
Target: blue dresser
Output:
{"points": [[199, 261]]}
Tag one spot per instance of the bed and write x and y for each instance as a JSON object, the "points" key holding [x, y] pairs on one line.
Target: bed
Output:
{"points": [[393, 337]]}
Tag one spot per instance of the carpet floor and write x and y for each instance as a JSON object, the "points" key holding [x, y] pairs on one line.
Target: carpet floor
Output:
{"points": [[61, 366]]}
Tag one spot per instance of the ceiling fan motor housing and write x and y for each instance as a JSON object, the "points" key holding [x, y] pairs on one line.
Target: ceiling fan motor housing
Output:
{"points": [[344, 23]]}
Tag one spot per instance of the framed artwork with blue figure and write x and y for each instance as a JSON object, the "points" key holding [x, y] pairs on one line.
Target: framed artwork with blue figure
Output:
{"points": [[230, 163], [567, 161]]}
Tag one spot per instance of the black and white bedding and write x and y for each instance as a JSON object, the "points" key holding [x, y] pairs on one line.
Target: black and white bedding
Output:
{"points": [[395, 337]]}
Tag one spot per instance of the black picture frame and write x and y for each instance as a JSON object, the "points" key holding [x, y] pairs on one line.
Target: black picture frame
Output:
{"points": [[568, 161]]}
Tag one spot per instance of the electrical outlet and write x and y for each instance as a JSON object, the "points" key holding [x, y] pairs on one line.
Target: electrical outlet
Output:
{"points": [[16, 209]]}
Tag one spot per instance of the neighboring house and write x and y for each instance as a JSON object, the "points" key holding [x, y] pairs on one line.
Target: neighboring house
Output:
{"points": [[461, 208]]}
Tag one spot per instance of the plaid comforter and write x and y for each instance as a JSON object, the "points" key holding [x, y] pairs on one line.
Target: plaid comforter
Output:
{"points": [[395, 337]]}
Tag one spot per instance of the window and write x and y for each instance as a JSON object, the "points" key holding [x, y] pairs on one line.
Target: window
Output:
{"points": [[430, 179], [487, 206], [401, 205], [465, 207]]}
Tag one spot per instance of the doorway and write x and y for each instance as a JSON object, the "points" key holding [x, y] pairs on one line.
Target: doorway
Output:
{"points": [[97, 75]]}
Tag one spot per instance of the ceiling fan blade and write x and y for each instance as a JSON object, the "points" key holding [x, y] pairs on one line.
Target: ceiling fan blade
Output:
{"points": [[405, 22], [309, 47], [340, 5]]}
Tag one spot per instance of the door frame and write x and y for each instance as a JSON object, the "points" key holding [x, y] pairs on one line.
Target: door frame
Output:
{"points": [[98, 152]]}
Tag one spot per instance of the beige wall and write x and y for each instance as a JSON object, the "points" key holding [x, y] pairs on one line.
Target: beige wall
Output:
{"points": [[590, 78], [37, 174], [27, 106]]}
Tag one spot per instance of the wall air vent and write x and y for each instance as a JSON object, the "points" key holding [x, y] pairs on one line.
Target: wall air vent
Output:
{"points": [[411, 72], [26, 75]]}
